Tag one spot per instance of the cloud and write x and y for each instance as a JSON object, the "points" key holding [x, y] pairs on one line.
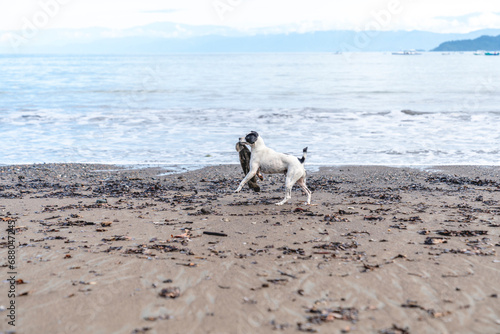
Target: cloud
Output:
{"points": [[246, 15], [467, 23], [5, 37], [485, 20], [160, 11], [459, 18]]}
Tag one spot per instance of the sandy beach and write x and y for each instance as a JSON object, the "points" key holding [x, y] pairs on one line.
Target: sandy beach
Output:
{"points": [[103, 249]]}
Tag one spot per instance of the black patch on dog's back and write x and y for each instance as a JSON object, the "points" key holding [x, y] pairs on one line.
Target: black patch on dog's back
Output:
{"points": [[251, 138]]}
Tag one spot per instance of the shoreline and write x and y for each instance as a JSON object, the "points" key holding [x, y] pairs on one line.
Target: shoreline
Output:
{"points": [[105, 249]]}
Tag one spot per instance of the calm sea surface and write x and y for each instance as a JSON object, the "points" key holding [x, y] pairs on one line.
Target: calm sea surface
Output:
{"points": [[362, 108]]}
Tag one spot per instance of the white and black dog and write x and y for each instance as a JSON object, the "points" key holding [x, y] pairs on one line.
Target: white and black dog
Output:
{"points": [[272, 162]]}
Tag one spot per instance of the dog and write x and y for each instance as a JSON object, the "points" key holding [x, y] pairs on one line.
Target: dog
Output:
{"points": [[272, 162]]}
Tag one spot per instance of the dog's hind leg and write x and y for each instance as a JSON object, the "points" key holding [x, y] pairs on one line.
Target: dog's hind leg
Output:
{"points": [[290, 181], [288, 195], [302, 183]]}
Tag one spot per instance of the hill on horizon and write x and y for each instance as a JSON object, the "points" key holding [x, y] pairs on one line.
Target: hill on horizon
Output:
{"points": [[488, 43]]}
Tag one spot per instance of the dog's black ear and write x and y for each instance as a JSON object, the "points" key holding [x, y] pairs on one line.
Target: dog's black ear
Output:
{"points": [[251, 138]]}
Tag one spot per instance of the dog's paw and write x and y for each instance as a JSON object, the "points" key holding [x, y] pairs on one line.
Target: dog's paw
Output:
{"points": [[237, 190]]}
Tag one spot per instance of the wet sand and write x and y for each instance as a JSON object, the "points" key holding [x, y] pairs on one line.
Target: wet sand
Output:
{"points": [[101, 249]]}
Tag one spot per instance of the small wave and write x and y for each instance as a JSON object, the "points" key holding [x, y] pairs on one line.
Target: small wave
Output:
{"points": [[414, 113], [275, 115], [31, 116], [386, 92], [376, 113]]}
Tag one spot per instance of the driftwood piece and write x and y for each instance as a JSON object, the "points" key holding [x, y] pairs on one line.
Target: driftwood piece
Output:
{"points": [[245, 165]]}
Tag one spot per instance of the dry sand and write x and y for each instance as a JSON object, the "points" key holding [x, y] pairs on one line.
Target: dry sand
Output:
{"points": [[101, 249]]}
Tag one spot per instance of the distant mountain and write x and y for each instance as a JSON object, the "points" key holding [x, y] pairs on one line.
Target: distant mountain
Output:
{"points": [[167, 37], [481, 43]]}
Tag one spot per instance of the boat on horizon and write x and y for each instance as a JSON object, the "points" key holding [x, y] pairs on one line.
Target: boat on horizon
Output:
{"points": [[487, 53], [407, 53]]}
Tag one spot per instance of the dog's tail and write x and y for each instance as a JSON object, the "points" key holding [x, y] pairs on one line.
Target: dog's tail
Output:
{"points": [[304, 156]]}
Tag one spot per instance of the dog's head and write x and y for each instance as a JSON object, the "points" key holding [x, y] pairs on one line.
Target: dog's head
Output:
{"points": [[250, 138]]}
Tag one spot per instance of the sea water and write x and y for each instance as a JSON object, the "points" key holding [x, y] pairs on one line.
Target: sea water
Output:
{"points": [[190, 109]]}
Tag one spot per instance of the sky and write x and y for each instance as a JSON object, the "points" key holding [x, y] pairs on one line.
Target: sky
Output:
{"points": [[458, 16]]}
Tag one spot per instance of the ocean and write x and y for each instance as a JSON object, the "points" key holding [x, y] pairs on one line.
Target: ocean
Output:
{"points": [[190, 109]]}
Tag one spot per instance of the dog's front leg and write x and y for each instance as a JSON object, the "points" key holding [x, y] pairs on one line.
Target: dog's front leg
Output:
{"points": [[253, 170]]}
